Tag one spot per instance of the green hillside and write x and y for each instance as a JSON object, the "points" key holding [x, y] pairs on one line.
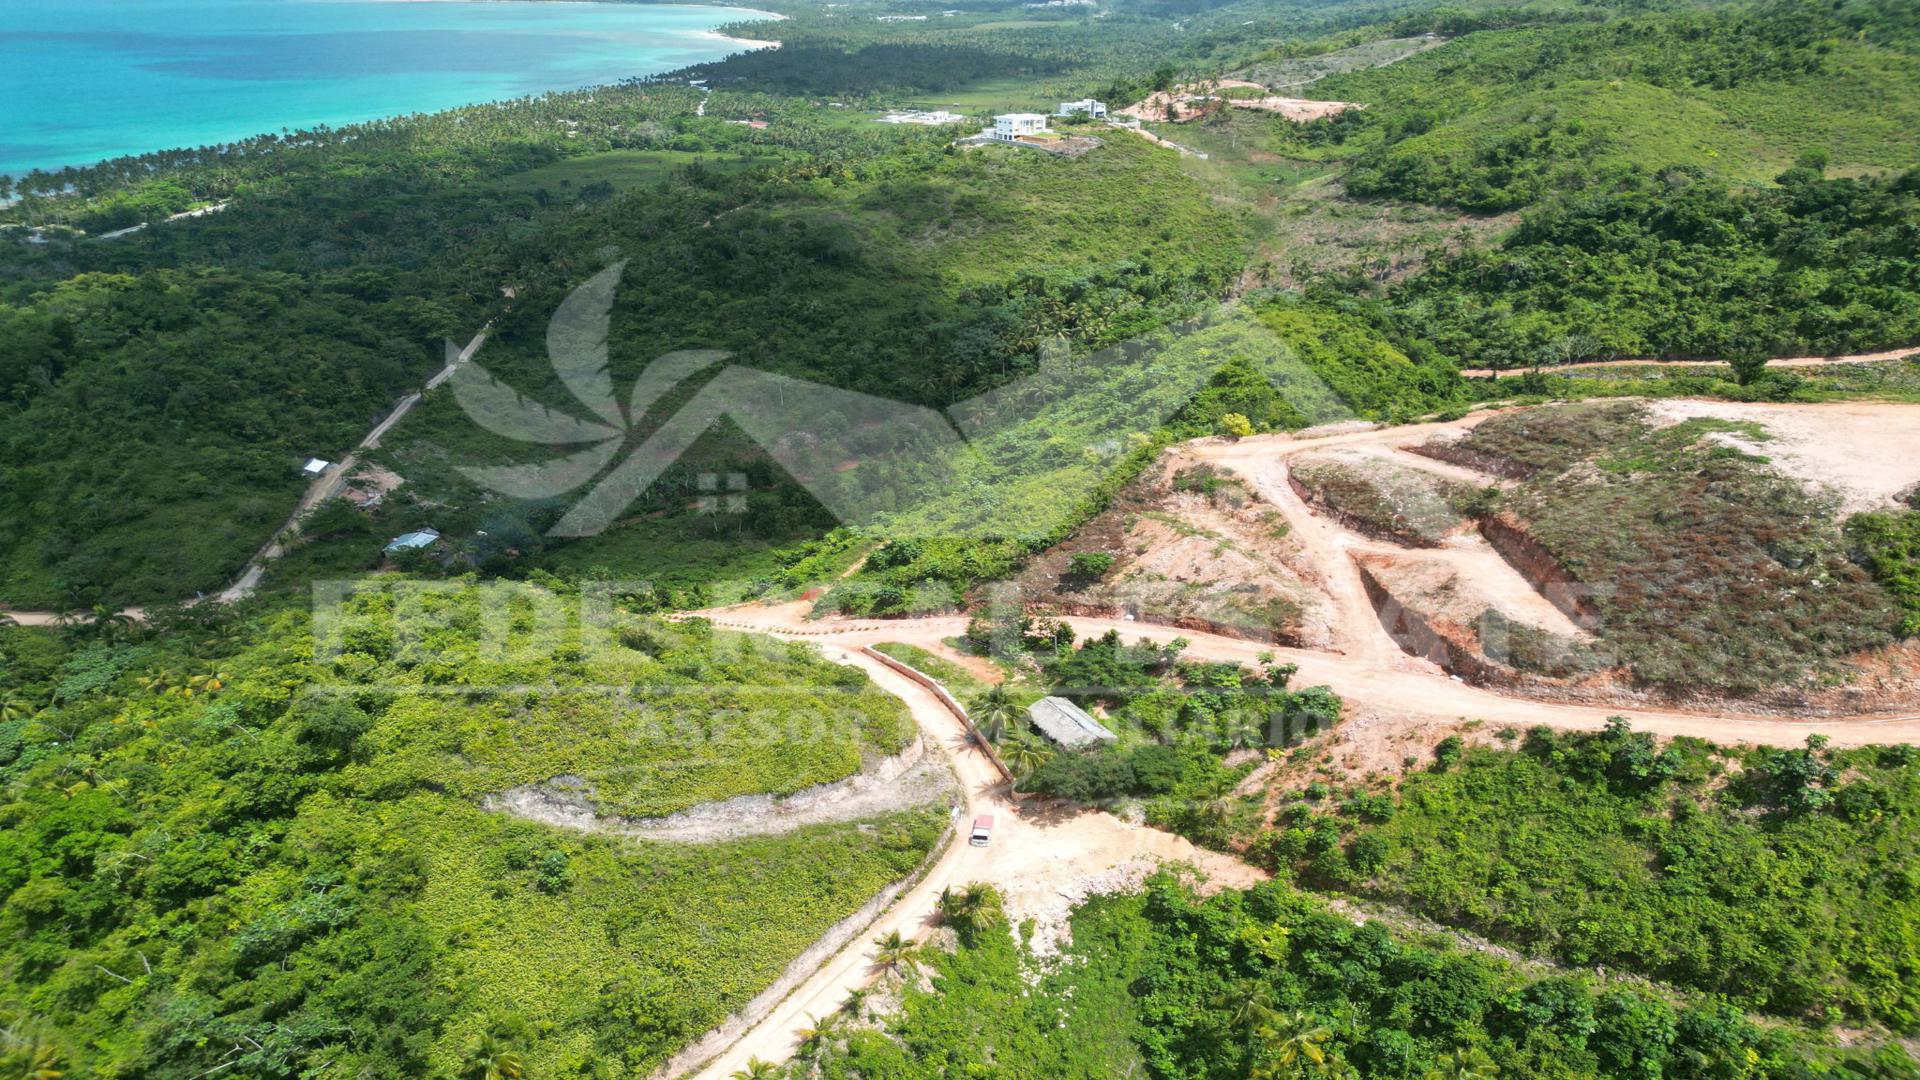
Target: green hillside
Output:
{"points": [[221, 853]]}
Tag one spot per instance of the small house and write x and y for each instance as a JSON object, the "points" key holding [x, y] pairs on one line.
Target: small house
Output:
{"points": [[315, 466], [1009, 127], [412, 541], [1095, 109], [1066, 724]]}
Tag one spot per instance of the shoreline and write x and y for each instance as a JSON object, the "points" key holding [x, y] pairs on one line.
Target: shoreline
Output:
{"points": [[712, 35]]}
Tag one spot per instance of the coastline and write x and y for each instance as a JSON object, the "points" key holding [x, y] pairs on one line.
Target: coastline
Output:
{"points": [[712, 40]]}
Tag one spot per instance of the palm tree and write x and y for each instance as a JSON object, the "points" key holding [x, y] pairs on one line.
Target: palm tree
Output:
{"points": [[490, 1057], [817, 1037], [974, 909], [993, 712], [1252, 1005], [1243, 727], [31, 1059], [856, 1004], [207, 682], [1023, 754], [1288, 1043], [896, 952], [756, 1070], [109, 622], [16, 706], [1466, 1063]]}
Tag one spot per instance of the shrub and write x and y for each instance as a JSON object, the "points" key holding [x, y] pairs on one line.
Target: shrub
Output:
{"points": [[1089, 565]]}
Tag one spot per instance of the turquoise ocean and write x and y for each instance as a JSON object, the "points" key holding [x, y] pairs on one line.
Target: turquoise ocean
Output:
{"points": [[85, 80]]}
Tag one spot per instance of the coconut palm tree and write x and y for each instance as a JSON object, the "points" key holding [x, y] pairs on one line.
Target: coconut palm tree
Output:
{"points": [[896, 952], [757, 1070], [1465, 1063], [974, 909], [30, 1058], [109, 622], [993, 712], [1243, 727], [816, 1038], [16, 706], [1023, 754], [1289, 1044], [855, 1006], [490, 1057], [206, 682], [1251, 1004]]}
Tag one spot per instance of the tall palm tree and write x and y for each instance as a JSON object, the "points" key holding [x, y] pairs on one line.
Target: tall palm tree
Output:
{"points": [[757, 1070], [16, 706], [1023, 754], [1465, 1063], [206, 682], [1243, 726], [993, 712], [974, 909], [1289, 1044], [856, 1004], [1251, 1004], [109, 622], [490, 1057], [896, 952], [30, 1058], [816, 1038]]}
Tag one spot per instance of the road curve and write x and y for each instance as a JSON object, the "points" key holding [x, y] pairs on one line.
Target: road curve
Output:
{"points": [[1400, 685], [1030, 858]]}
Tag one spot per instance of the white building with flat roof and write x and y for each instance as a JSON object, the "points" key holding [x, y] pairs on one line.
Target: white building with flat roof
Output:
{"points": [[1095, 109], [1010, 126]]}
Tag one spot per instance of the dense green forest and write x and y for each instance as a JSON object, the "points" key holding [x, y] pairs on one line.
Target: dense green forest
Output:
{"points": [[825, 246], [1272, 983], [246, 841], [1778, 878]]}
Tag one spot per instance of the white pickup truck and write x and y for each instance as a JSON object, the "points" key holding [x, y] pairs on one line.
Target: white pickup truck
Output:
{"points": [[982, 829]]}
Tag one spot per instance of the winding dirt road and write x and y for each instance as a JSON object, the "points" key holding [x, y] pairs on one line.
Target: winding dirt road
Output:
{"points": [[1365, 666], [1037, 859]]}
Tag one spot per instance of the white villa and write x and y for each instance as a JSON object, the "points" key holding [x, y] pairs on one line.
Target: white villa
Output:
{"points": [[1095, 109], [1010, 126]]}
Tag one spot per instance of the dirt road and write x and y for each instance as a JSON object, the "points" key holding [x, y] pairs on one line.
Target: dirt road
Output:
{"points": [[1033, 859], [1332, 546], [1783, 362], [1365, 666], [324, 487], [1399, 685]]}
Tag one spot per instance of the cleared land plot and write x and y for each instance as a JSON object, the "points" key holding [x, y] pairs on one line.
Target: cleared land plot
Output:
{"points": [[1281, 74], [1710, 570], [1382, 498]]}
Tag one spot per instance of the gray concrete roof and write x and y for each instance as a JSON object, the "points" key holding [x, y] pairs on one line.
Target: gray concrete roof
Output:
{"points": [[1066, 723]]}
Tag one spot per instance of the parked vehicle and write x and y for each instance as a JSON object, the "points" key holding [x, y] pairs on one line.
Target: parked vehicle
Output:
{"points": [[982, 829]]}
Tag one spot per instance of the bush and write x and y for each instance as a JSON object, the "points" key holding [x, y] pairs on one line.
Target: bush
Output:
{"points": [[1090, 565]]}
